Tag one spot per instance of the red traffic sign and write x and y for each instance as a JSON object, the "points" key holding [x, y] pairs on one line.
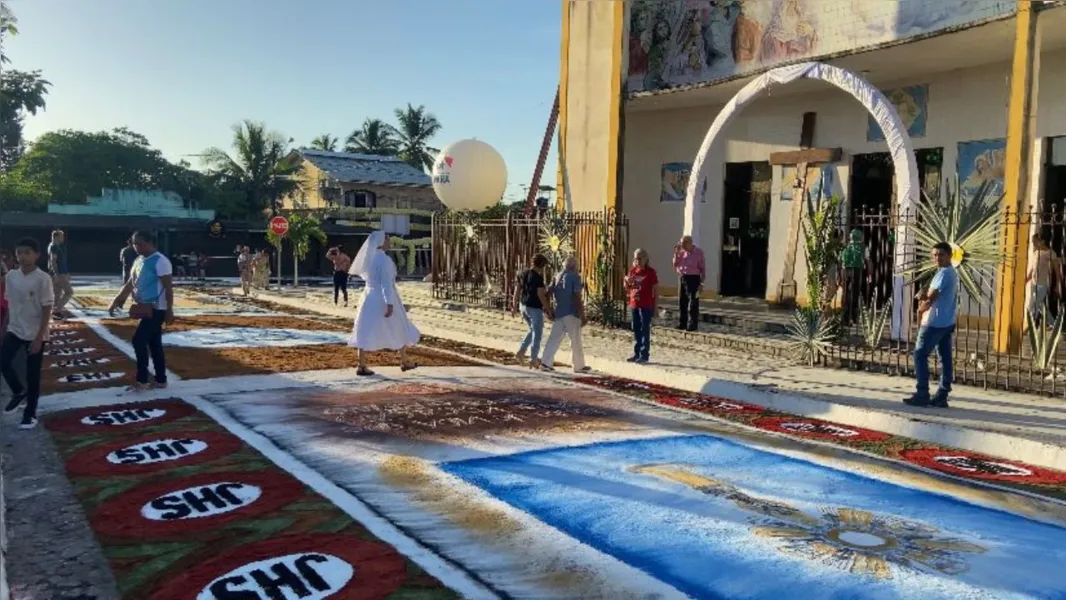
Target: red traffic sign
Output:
{"points": [[279, 226]]}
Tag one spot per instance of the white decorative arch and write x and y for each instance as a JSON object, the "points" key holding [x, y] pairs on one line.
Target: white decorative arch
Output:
{"points": [[899, 146]]}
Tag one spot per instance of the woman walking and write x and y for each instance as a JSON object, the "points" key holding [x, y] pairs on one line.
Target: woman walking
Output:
{"points": [[260, 271], [642, 283], [380, 321], [531, 299]]}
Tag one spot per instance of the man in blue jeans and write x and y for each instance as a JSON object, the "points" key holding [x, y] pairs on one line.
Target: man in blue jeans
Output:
{"points": [[936, 309]]}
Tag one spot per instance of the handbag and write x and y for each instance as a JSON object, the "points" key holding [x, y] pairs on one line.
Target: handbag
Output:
{"points": [[142, 310]]}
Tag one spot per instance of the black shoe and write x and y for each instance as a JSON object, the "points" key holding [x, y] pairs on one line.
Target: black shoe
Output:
{"points": [[682, 327], [917, 400], [14, 404], [939, 400], [692, 329]]}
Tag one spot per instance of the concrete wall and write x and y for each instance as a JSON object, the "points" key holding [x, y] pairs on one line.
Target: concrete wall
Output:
{"points": [[963, 105], [588, 114]]}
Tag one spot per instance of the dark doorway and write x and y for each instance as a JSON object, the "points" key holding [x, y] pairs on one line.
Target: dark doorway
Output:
{"points": [[745, 229]]}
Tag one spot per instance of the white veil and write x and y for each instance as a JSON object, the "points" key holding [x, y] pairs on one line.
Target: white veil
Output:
{"points": [[361, 264]]}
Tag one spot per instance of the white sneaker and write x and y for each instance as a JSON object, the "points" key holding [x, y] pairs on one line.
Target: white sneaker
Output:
{"points": [[28, 424]]}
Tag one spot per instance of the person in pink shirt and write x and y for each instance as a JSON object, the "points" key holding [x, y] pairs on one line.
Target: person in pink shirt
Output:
{"points": [[690, 266]]}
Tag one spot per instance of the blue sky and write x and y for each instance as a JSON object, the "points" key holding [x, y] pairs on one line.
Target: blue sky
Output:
{"points": [[182, 72]]}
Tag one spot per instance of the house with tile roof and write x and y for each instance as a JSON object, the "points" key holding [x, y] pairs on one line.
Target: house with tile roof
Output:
{"points": [[342, 180]]}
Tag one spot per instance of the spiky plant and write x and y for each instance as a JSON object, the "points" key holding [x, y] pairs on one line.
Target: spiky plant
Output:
{"points": [[602, 307], [1044, 341], [555, 240], [822, 249], [873, 321], [970, 226], [813, 333]]}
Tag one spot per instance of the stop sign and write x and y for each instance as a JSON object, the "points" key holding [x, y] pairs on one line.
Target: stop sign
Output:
{"points": [[279, 226]]}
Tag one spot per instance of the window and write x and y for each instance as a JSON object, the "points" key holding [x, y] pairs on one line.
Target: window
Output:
{"points": [[396, 224], [360, 199]]}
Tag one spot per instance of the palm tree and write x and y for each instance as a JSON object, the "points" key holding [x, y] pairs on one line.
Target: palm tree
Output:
{"points": [[417, 126], [325, 142], [375, 137], [301, 231], [261, 165]]}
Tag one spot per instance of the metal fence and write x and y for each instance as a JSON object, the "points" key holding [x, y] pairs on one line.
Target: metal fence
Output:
{"points": [[1024, 366], [477, 261]]}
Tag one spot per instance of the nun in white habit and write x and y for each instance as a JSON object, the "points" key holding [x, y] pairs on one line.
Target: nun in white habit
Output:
{"points": [[380, 321]]}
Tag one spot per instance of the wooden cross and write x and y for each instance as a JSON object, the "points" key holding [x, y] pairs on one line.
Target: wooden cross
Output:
{"points": [[803, 159]]}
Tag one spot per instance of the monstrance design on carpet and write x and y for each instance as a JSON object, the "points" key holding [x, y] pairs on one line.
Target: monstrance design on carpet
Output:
{"points": [[853, 540]]}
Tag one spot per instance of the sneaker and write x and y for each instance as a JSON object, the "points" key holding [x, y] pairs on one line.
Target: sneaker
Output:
{"points": [[939, 400], [641, 361], [13, 405], [547, 369], [917, 400], [633, 359], [28, 423], [583, 370]]}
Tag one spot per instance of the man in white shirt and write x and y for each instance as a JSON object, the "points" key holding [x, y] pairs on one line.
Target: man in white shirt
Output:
{"points": [[152, 285], [30, 300]]}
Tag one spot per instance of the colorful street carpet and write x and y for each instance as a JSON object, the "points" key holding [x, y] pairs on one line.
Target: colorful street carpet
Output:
{"points": [[186, 510], [76, 359]]}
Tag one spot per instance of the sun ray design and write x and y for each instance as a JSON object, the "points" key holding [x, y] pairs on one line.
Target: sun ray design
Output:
{"points": [[849, 539]]}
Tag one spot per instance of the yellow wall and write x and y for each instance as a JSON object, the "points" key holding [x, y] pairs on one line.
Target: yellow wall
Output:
{"points": [[592, 88]]}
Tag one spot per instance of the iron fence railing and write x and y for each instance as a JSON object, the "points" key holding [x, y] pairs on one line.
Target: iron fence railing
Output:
{"points": [[477, 261], [1008, 361]]}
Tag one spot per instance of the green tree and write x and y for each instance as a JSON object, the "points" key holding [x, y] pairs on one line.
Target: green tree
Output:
{"points": [[416, 127], [375, 137], [21, 92], [261, 165], [301, 231], [325, 142]]}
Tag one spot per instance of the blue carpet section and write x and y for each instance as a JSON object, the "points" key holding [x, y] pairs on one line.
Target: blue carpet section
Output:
{"points": [[717, 519]]}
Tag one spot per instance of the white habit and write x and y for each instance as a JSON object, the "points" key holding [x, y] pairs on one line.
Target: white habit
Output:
{"points": [[372, 331]]}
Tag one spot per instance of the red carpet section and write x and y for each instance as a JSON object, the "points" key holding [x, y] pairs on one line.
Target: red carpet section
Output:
{"points": [[186, 510], [958, 463]]}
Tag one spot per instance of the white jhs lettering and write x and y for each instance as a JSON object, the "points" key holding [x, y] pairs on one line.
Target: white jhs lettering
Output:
{"points": [[156, 451], [121, 417], [302, 582], [182, 505]]}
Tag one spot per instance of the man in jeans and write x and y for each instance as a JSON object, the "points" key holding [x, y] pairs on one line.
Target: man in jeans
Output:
{"points": [[690, 266], [30, 299], [569, 317], [152, 286], [936, 309], [57, 264]]}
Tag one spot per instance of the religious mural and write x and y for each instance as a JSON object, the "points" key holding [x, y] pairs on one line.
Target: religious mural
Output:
{"points": [[684, 42], [912, 105], [675, 181], [980, 161]]}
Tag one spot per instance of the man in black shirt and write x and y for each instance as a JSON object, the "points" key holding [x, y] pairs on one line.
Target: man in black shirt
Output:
{"points": [[126, 257], [531, 299]]}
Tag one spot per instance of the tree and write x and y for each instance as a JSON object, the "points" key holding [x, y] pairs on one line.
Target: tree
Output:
{"points": [[21, 92], [375, 137], [325, 142], [262, 166], [67, 166], [301, 231], [416, 127]]}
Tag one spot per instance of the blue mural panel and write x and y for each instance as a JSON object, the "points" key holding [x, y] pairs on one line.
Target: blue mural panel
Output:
{"points": [[717, 519], [912, 106], [981, 161]]}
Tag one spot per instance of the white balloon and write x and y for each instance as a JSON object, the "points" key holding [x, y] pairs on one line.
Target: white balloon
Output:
{"points": [[469, 175]]}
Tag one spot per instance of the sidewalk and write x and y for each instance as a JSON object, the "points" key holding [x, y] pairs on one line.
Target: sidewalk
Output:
{"points": [[756, 369]]}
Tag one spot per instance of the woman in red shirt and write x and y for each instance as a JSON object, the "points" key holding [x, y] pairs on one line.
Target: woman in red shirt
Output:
{"points": [[642, 283]]}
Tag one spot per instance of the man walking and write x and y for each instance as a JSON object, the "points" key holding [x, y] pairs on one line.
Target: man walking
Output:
{"points": [[690, 266], [569, 317], [57, 264], [30, 301], [341, 263], [936, 309], [127, 256], [152, 285]]}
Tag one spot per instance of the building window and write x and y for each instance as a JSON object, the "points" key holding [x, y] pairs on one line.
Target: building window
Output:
{"points": [[360, 199], [396, 224]]}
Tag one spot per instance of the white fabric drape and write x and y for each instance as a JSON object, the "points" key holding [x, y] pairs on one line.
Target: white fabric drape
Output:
{"points": [[361, 263], [899, 147]]}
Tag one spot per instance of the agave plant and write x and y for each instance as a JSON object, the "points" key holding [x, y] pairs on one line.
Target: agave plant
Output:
{"points": [[820, 245], [1044, 341], [813, 333], [602, 307], [970, 226], [873, 321], [556, 240]]}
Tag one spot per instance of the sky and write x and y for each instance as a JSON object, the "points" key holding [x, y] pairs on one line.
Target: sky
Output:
{"points": [[183, 72]]}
